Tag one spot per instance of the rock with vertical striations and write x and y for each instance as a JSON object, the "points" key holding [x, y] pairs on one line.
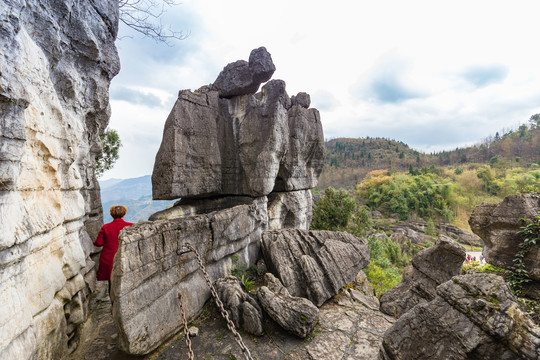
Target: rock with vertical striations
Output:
{"points": [[247, 144], [294, 314], [244, 311], [472, 317], [57, 59], [430, 268], [314, 264]]}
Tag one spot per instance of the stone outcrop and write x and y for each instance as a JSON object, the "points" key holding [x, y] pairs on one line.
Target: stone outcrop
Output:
{"points": [[244, 78], [57, 59], [249, 145], [314, 264], [242, 163], [430, 268], [294, 314], [498, 224], [472, 317], [149, 269], [244, 311]]}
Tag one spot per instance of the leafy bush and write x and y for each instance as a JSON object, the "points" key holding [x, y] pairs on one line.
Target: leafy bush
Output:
{"points": [[333, 211]]}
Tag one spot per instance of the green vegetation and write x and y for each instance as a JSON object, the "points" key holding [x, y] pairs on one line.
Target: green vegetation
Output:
{"points": [[110, 143], [248, 284], [519, 275], [333, 211], [386, 263]]}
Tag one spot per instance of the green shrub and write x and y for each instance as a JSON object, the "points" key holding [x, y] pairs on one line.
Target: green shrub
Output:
{"points": [[333, 211]]}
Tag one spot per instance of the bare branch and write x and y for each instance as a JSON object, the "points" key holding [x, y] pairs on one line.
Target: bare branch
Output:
{"points": [[144, 16]]}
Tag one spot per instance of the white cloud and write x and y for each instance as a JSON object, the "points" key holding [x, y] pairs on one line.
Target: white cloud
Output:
{"points": [[435, 75]]}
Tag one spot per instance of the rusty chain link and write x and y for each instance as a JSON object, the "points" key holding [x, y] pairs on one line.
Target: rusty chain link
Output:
{"points": [[186, 331], [219, 304]]}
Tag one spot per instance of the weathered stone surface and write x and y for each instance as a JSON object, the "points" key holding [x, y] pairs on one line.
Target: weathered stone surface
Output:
{"points": [[430, 268], [247, 145], [294, 314], [244, 78], [472, 317], [188, 207], [149, 269], [290, 210], [244, 311], [498, 224], [302, 99], [314, 264], [56, 62]]}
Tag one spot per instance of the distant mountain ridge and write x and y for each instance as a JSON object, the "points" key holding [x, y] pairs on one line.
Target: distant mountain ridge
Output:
{"points": [[135, 194], [348, 160]]}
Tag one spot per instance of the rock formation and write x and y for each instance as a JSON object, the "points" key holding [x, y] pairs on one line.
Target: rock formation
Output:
{"points": [[57, 59], [294, 314], [244, 311], [314, 264], [498, 225], [472, 317], [252, 144], [242, 163], [430, 268]]}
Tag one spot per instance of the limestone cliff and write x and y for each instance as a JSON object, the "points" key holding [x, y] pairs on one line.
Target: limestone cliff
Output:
{"points": [[57, 59]]}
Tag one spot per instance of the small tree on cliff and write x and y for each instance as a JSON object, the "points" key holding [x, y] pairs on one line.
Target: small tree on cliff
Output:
{"points": [[110, 143]]}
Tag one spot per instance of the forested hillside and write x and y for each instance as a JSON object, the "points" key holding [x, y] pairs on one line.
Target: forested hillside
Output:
{"points": [[348, 161]]}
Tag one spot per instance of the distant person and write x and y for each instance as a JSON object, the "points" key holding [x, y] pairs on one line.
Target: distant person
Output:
{"points": [[108, 238]]}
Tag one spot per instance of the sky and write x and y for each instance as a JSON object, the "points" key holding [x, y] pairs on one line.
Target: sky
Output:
{"points": [[435, 75]]}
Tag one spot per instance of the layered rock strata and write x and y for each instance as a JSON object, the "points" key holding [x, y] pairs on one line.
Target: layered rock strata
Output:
{"points": [[430, 268], [314, 264], [150, 269], [57, 59], [294, 314], [244, 311], [498, 226], [472, 317], [248, 145]]}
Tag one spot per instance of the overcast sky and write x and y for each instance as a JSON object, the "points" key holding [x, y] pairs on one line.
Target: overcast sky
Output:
{"points": [[433, 74]]}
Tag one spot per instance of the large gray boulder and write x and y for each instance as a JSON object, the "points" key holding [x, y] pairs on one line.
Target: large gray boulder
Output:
{"points": [[248, 145], [472, 317], [498, 224], [150, 269], [57, 59], [314, 264], [244, 78], [244, 311], [430, 268], [294, 314]]}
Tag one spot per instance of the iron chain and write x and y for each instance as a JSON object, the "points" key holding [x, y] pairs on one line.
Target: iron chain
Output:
{"points": [[186, 331], [219, 304]]}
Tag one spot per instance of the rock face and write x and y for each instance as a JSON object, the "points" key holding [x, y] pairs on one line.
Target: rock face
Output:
{"points": [[244, 311], [294, 314], [430, 268], [498, 224], [244, 78], [149, 269], [57, 59], [314, 264], [250, 145], [242, 163], [472, 317]]}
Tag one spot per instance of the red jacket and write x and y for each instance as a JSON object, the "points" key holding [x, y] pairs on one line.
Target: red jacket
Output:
{"points": [[108, 238]]}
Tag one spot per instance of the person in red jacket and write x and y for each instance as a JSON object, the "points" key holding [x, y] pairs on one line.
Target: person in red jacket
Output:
{"points": [[108, 238]]}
